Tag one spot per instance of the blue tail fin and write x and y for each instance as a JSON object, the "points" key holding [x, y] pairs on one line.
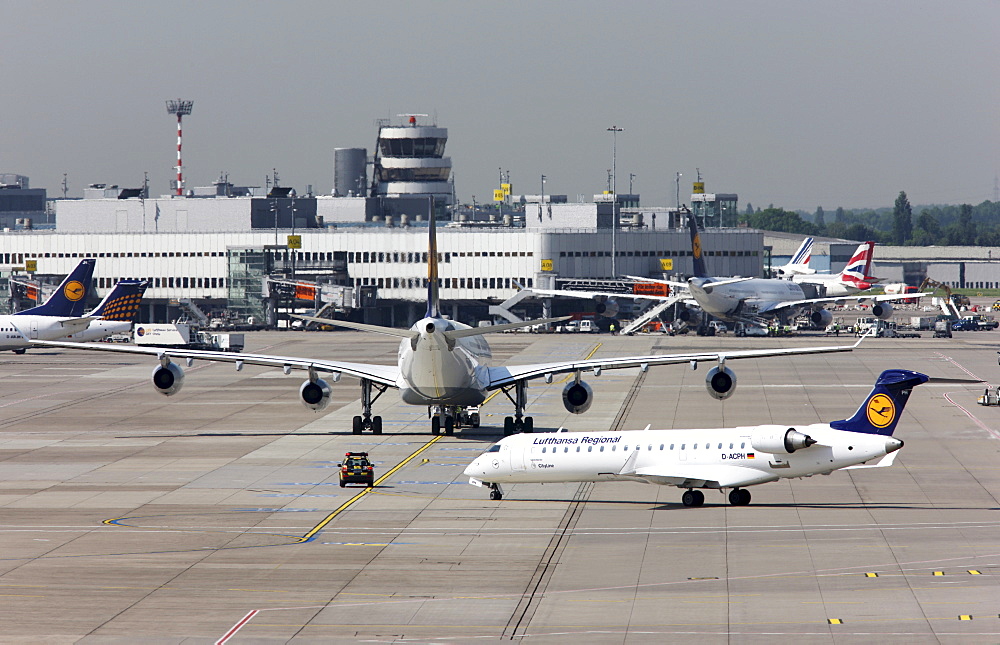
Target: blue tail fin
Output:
{"points": [[883, 406], [696, 255], [122, 302], [433, 308], [70, 298]]}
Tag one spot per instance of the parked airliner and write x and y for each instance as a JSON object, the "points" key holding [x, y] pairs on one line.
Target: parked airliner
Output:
{"points": [[799, 263], [57, 317], [853, 279], [115, 314], [726, 458], [444, 365]]}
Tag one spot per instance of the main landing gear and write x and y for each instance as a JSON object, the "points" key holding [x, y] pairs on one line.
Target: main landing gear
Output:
{"points": [[449, 417], [365, 421], [693, 498], [739, 497], [519, 422], [496, 493]]}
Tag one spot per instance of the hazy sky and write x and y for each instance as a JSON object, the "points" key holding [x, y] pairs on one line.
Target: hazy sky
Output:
{"points": [[796, 103]]}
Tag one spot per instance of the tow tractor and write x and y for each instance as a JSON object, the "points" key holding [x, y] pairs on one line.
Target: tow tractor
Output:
{"points": [[449, 417], [990, 397]]}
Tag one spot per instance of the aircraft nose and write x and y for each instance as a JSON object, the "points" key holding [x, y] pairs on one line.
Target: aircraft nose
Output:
{"points": [[474, 468], [892, 444]]}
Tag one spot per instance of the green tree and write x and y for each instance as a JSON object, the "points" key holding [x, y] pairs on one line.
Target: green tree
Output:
{"points": [[819, 219], [778, 219], [902, 220], [839, 216]]}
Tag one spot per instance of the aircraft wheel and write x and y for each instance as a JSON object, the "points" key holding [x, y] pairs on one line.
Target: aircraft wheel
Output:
{"points": [[693, 498], [529, 424], [736, 497], [449, 426], [356, 427], [435, 425], [21, 350], [496, 495], [744, 497], [377, 425], [508, 426]]}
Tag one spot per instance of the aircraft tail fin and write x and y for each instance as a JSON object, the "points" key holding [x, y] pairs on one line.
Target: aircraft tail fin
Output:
{"points": [[884, 404], [70, 297], [122, 302], [856, 271], [804, 254], [696, 254], [433, 303]]}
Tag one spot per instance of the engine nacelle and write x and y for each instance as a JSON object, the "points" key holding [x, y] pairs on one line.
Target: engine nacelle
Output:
{"points": [[315, 395], [168, 379], [882, 310], [720, 382], [607, 308], [690, 316], [577, 397], [779, 440], [821, 318]]}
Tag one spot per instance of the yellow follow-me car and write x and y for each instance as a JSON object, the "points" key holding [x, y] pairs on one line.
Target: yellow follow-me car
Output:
{"points": [[356, 469]]}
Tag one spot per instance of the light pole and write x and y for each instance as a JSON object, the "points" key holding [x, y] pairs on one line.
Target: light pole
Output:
{"points": [[541, 203], [678, 195], [614, 130]]}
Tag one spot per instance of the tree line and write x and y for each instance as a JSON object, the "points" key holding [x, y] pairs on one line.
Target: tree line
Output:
{"points": [[962, 225]]}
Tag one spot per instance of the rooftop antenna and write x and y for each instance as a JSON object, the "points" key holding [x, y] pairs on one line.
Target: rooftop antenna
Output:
{"points": [[180, 108], [65, 186]]}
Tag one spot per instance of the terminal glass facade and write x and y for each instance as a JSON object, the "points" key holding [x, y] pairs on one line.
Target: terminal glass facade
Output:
{"points": [[247, 268]]}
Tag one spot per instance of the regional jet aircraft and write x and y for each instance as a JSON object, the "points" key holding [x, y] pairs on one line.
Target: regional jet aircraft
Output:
{"points": [[116, 313], [726, 458], [444, 365], [57, 317]]}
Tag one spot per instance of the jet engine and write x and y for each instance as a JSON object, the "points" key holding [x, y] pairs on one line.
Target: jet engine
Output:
{"points": [[607, 307], [882, 310], [720, 382], [168, 379], [577, 397], [821, 318], [779, 440], [690, 316], [315, 394]]}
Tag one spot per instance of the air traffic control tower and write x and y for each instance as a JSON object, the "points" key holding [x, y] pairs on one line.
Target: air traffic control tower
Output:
{"points": [[714, 210], [411, 173]]}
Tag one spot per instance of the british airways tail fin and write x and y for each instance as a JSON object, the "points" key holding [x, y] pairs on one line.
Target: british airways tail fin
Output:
{"points": [[433, 308], [122, 302], [70, 298], [884, 404], [696, 253]]}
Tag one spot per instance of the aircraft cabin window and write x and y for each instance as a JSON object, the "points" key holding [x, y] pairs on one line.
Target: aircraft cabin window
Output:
{"points": [[602, 448], [566, 449], [743, 445], [682, 446], [720, 446], [590, 449], [544, 449], [650, 447], [578, 448], [730, 446], [694, 447], [661, 446]]}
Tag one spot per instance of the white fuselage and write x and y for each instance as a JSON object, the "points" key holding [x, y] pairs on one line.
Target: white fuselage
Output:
{"points": [[714, 458], [100, 329], [16, 331], [431, 373], [756, 296], [832, 284]]}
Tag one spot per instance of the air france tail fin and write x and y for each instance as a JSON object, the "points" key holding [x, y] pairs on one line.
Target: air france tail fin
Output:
{"points": [[70, 297], [884, 404], [433, 308], [122, 302], [804, 254], [696, 255]]}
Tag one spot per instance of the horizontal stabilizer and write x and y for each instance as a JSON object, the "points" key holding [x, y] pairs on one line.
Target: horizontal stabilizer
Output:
{"points": [[377, 329], [881, 463], [479, 331]]}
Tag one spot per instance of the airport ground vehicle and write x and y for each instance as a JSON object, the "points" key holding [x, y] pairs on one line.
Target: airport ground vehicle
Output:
{"points": [[979, 322], [942, 328], [356, 469], [185, 336]]}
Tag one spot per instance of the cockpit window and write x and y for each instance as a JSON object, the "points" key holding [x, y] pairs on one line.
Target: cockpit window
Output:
{"points": [[494, 448]]}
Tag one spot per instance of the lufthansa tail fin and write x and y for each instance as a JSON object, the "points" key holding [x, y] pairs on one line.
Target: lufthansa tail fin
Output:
{"points": [[696, 254], [433, 308], [70, 297], [122, 302], [884, 404]]}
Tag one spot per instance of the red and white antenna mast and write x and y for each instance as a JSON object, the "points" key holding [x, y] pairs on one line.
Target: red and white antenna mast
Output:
{"points": [[180, 108]]}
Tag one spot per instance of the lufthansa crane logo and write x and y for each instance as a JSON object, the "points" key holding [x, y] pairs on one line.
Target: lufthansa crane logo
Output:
{"points": [[696, 246], [74, 290], [881, 410]]}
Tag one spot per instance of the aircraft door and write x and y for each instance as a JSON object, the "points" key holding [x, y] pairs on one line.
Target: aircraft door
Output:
{"points": [[516, 457], [33, 332]]}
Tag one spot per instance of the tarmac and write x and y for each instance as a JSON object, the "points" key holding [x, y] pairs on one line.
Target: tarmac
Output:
{"points": [[215, 515]]}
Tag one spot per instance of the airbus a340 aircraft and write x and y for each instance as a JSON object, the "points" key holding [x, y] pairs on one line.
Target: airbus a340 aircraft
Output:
{"points": [[750, 299], [58, 317], [720, 459], [444, 364]]}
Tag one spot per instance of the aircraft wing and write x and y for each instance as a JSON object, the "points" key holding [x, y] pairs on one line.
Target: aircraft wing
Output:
{"points": [[841, 299], [383, 374], [509, 374], [596, 294], [74, 322], [716, 476]]}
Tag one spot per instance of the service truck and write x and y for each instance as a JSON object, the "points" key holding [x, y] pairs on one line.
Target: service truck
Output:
{"points": [[185, 336]]}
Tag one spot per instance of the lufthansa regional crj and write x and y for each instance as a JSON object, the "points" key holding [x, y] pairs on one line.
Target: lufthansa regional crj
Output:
{"points": [[719, 459], [445, 365]]}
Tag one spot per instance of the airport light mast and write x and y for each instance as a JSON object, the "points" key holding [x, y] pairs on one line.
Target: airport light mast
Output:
{"points": [[180, 108], [614, 130]]}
